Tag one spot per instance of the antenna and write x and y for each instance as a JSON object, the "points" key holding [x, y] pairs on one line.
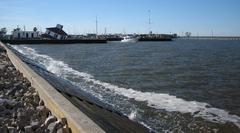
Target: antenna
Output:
{"points": [[149, 21], [96, 25]]}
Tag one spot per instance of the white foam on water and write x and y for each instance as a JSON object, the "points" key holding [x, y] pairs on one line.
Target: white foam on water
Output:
{"points": [[132, 115], [155, 100]]}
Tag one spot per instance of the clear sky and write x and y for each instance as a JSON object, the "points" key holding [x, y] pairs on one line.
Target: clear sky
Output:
{"points": [[78, 16]]}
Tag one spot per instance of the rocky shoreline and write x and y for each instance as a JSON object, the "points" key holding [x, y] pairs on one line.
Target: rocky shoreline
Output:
{"points": [[21, 109]]}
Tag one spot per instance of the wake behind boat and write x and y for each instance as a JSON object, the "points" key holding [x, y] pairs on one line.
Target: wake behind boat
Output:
{"points": [[129, 39]]}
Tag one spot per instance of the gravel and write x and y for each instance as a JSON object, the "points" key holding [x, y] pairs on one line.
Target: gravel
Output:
{"points": [[21, 109]]}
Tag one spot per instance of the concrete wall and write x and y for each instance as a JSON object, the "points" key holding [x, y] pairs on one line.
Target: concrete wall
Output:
{"points": [[58, 104]]}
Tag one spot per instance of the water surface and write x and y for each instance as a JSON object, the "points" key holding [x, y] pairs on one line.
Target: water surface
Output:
{"points": [[183, 85]]}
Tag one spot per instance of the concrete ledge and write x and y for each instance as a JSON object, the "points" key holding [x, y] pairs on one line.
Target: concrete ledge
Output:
{"points": [[56, 102]]}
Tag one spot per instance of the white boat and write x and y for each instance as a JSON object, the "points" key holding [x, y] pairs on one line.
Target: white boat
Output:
{"points": [[129, 39]]}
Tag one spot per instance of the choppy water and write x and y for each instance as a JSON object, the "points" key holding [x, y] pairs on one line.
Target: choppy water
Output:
{"points": [[179, 86]]}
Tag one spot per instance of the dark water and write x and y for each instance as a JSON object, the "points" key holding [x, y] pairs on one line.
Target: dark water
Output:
{"points": [[184, 85]]}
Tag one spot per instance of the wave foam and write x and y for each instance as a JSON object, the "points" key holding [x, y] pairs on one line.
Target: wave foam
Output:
{"points": [[155, 100]]}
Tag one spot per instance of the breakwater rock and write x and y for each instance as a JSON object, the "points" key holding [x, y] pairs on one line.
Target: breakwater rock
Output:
{"points": [[21, 109]]}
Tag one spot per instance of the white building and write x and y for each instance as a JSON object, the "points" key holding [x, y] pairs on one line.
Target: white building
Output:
{"points": [[55, 33], [19, 34]]}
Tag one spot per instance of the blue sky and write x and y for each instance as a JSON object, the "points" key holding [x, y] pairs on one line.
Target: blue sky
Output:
{"points": [[78, 16]]}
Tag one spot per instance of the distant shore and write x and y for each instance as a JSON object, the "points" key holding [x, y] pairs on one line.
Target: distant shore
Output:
{"points": [[211, 37]]}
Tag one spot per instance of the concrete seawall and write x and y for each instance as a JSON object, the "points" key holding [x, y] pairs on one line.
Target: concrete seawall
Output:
{"points": [[56, 102]]}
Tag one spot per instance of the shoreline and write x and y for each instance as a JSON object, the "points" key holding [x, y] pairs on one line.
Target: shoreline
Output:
{"points": [[82, 115], [21, 109]]}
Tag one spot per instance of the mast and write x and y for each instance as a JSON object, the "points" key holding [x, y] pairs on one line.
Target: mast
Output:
{"points": [[105, 31]]}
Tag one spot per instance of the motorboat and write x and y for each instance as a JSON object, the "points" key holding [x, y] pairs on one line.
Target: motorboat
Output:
{"points": [[129, 39]]}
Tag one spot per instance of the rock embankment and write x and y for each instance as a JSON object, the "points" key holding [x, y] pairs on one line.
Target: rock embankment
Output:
{"points": [[21, 109]]}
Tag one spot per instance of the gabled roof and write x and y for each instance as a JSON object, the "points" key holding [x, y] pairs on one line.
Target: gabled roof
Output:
{"points": [[57, 30]]}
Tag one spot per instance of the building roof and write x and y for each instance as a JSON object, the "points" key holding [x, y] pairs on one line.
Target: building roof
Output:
{"points": [[57, 30]]}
